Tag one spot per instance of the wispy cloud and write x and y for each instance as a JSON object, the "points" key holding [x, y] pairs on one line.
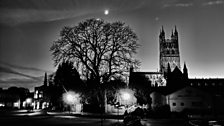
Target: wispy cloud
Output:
{"points": [[178, 5], [22, 11], [184, 4], [2, 63], [10, 71], [19, 82], [10, 77], [214, 2], [18, 16]]}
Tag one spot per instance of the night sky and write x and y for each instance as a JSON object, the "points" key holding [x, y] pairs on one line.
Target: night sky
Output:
{"points": [[29, 27]]}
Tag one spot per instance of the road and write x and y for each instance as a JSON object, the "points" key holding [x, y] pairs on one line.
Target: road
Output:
{"points": [[43, 119]]}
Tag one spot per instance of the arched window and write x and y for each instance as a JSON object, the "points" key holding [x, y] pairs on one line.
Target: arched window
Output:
{"points": [[173, 51]]}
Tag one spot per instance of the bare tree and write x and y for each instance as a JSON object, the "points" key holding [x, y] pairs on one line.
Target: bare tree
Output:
{"points": [[99, 50]]}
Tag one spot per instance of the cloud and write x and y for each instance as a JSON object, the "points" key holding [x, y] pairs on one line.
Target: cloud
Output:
{"points": [[19, 82], [9, 77], [10, 71], [216, 2], [178, 5], [22, 11], [18, 16], [184, 5], [20, 67]]}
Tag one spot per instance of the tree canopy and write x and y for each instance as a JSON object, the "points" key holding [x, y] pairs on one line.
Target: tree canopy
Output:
{"points": [[67, 77], [99, 50]]}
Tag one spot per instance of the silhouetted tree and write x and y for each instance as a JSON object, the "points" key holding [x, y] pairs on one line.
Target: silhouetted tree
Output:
{"points": [[112, 87], [68, 77], [142, 86], [99, 50], [17, 93]]}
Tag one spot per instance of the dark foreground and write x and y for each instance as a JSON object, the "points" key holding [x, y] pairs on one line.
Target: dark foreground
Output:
{"points": [[23, 118]]}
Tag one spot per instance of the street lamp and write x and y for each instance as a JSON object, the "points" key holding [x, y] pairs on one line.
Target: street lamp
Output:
{"points": [[28, 104], [126, 97], [28, 100], [71, 98]]}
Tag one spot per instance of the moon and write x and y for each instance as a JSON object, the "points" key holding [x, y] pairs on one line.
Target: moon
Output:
{"points": [[106, 12]]}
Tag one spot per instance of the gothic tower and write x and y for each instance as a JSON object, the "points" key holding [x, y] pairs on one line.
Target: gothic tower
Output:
{"points": [[169, 51]]}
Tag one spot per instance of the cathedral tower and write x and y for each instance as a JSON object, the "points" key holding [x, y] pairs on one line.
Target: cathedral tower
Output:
{"points": [[169, 51]]}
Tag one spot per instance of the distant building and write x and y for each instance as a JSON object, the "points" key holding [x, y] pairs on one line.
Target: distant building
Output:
{"points": [[15, 98], [41, 100], [189, 98]]}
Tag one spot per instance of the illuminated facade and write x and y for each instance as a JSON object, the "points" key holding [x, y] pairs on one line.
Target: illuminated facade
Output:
{"points": [[169, 51]]}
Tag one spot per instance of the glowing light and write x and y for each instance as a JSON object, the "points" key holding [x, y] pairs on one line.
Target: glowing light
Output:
{"points": [[28, 100], [2, 105], [126, 96], [106, 12], [71, 98]]}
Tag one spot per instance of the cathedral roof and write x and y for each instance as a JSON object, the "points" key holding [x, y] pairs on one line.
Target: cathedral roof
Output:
{"points": [[177, 71]]}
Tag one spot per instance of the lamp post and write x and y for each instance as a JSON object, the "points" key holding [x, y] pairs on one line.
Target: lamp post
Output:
{"points": [[28, 104], [71, 98], [126, 97]]}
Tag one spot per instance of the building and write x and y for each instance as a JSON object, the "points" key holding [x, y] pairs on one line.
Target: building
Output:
{"points": [[41, 100], [16, 98], [169, 51], [171, 84], [169, 63], [155, 78], [189, 98]]}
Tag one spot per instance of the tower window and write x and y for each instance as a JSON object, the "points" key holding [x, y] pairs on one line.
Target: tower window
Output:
{"points": [[182, 104], [174, 104], [173, 52], [167, 52]]}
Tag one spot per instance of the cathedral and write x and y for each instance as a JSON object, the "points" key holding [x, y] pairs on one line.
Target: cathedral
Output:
{"points": [[169, 62], [170, 73], [171, 85], [169, 51]]}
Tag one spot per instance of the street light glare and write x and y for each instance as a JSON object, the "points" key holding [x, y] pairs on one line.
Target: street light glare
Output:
{"points": [[69, 97], [126, 96], [28, 100]]}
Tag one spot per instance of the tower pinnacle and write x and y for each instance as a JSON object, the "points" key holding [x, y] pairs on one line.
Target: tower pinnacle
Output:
{"points": [[185, 71], [175, 32]]}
